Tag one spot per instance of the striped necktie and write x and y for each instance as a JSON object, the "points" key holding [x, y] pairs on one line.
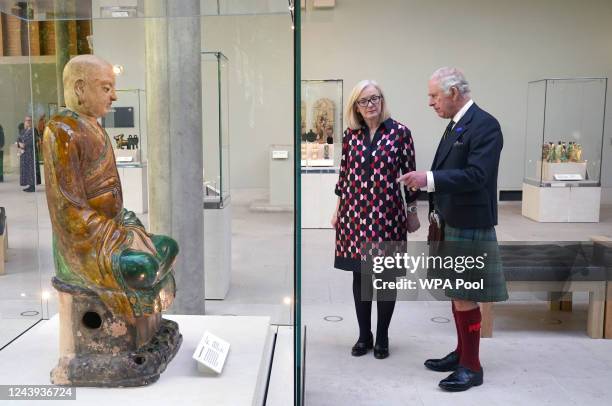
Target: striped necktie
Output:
{"points": [[448, 130]]}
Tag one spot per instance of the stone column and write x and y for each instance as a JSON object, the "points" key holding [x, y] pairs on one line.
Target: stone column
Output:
{"points": [[174, 130], [62, 10]]}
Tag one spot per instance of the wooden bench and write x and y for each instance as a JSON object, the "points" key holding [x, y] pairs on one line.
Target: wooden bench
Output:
{"points": [[3, 239], [558, 268], [603, 253]]}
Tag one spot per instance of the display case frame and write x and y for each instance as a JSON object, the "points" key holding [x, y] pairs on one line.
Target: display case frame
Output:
{"points": [[215, 129], [216, 154]]}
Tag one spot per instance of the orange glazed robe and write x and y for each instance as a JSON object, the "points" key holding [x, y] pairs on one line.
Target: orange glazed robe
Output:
{"points": [[91, 228]]}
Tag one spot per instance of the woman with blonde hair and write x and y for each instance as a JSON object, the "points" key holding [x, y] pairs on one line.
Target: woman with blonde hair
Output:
{"points": [[376, 150]]}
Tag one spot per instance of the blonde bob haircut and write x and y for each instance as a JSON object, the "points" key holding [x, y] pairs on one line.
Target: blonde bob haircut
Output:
{"points": [[352, 116]]}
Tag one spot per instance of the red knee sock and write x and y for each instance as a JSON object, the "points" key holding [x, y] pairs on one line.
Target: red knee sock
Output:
{"points": [[468, 323], [458, 349]]}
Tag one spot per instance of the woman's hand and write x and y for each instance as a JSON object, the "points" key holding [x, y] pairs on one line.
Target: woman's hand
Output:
{"points": [[334, 219], [413, 222]]}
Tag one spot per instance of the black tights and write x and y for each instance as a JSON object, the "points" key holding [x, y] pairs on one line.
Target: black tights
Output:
{"points": [[363, 292]]}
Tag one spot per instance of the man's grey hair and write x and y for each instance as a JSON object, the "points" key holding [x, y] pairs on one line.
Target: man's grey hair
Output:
{"points": [[451, 77]]}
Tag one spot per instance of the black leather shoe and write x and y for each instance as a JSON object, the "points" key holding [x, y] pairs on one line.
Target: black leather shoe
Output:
{"points": [[381, 351], [462, 379], [29, 189], [446, 364], [361, 347]]}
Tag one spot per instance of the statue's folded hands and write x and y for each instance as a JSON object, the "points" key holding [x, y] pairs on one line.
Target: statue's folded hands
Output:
{"points": [[142, 270]]}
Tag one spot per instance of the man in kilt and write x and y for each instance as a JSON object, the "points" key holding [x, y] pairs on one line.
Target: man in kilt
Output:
{"points": [[462, 186]]}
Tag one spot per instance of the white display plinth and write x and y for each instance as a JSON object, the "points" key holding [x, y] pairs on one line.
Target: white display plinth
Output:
{"points": [[280, 389], [134, 186], [547, 170], [129, 156], [281, 177], [217, 252], [29, 359], [561, 204], [318, 199], [317, 163], [314, 152]]}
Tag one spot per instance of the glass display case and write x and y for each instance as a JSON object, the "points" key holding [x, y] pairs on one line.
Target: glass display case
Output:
{"points": [[564, 132], [159, 107], [563, 149], [215, 146], [215, 129], [321, 122], [124, 125], [171, 121]]}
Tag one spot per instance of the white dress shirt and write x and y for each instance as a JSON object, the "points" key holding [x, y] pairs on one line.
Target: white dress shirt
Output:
{"points": [[431, 186]]}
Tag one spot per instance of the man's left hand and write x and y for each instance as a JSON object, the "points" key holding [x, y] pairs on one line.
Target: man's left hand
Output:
{"points": [[414, 179]]}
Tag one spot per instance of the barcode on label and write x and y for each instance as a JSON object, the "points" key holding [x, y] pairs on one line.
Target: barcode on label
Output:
{"points": [[211, 357]]}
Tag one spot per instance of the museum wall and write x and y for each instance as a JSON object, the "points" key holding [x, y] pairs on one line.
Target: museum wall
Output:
{"points": [[500, 45], [108, 44], [260, 53]]}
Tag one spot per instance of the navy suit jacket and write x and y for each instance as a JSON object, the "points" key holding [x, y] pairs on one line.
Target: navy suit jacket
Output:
{"points": [[465, 171]]}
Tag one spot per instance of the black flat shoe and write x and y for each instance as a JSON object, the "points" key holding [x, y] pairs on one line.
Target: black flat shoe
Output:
{"points": [[381, 351], [446, 364], [462, 379], [361, 347], [29, 189]]}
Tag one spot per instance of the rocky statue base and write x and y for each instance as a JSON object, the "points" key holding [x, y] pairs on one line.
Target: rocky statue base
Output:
{"points": [[100, 349]]}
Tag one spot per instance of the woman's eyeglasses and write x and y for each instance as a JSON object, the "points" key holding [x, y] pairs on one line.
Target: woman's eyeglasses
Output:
{"points": [[374, 100]]}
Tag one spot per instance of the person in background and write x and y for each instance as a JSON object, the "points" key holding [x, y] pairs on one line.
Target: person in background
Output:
{"points": [[25, 143]]}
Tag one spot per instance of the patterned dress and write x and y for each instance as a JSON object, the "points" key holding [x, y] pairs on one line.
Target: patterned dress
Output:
{"points": [[26, 160], [371, 205]]}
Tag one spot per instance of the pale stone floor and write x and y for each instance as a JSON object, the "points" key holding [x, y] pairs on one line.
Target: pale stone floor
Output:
{"points": [[535, 357]]}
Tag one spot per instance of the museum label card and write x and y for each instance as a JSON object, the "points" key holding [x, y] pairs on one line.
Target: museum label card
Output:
{"points": [[211, 352], [568, 176], [280, 154]]}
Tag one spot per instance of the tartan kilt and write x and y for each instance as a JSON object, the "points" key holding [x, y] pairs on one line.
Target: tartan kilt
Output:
{"points": [[494, 283]]}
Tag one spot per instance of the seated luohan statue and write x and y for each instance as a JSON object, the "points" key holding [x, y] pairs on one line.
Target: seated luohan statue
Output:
{"points": [[113, 278]]}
